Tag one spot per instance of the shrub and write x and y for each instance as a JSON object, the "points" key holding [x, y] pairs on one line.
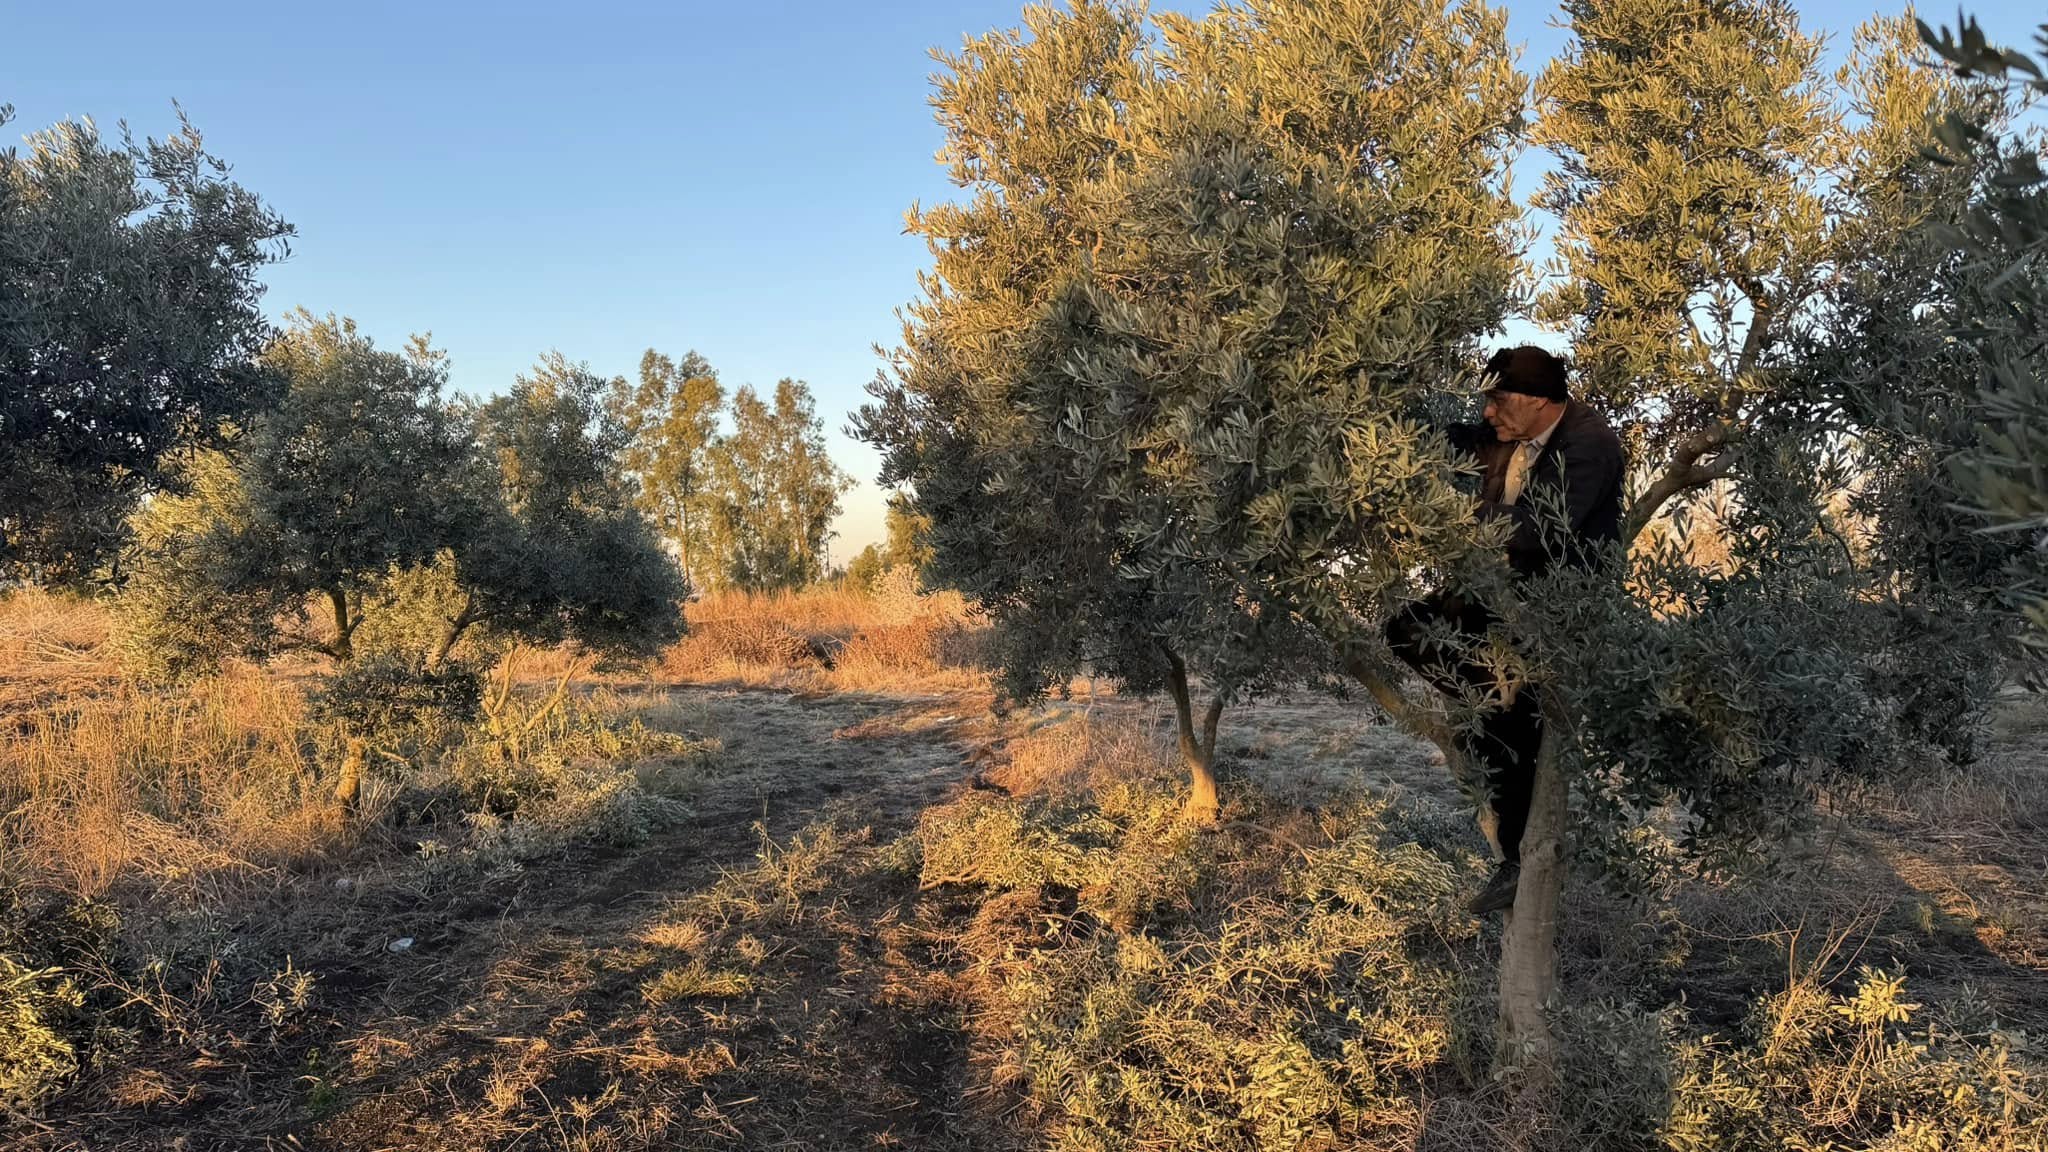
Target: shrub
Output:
{"points": [[398, 706], [544, 773], [178, 618], [35, 1058], [1297, 1019], [1852, 1072], [1125, 853], [1148, 985], [48, 1025]]}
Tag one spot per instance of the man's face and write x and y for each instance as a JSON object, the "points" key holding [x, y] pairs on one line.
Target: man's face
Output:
{"points": [[1515, 416]]}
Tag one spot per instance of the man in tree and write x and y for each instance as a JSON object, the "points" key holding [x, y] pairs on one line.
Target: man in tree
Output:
{"points": [[1552, 468]]}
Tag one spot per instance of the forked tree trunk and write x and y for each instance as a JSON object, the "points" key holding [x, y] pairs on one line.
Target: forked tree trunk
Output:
{"points": [[1528, 951], [1200, 756], [1197, 749], [452, 634]]}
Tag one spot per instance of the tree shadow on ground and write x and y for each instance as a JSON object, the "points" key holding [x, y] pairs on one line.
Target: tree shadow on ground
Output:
{"points": [[1946, 879], [766, 973], [518, 1012]]}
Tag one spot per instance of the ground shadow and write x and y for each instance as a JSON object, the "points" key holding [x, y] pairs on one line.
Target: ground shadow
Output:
{"points": [[604, 997], [514, 1013]]}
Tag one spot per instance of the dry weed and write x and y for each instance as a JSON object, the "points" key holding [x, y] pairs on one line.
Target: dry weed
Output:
{"points": [[173, 788], [834, 639], [696, 982], [1069, 753], [1308, 1017], [1054, 953], [677, 936], [52, 647], [783, 878]]}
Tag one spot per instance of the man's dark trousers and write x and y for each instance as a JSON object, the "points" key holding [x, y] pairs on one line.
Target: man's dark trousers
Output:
{"points": [[1509, 737]]}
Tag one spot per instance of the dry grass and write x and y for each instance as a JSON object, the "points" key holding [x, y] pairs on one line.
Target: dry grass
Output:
{"points": [[51, 646], [696, 982], [1306, 978], [833, 639], [1067, 753], [824, 610], [890, 919], [105, 781], [171, 790]]}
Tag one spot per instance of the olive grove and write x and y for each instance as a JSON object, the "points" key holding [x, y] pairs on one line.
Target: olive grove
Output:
{"points": [[1172, 395]]}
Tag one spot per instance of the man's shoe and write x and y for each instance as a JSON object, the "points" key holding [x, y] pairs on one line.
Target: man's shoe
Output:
{"points": [[1499, 893]]}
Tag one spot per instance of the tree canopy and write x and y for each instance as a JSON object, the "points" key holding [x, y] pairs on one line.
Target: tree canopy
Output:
{"points": [[1171, 396], [1998, 315], [129, 322], [367, 495], [671, 421], [1209, 274], [773, 492], [555, 548]]}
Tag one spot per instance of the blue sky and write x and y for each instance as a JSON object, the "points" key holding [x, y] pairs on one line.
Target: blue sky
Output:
{"points": [[596, 177]]}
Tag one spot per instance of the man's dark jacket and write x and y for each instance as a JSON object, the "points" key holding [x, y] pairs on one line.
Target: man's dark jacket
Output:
{"points": [[1583, 459]]}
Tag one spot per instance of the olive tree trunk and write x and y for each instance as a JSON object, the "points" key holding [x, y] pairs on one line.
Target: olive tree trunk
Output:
{"points": [[1197, 749], [1528, 951], [1528, 960], [452, 634], [344, 628]]}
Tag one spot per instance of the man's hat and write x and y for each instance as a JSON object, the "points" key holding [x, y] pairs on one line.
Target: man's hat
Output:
{"points": [[1528, 370]]}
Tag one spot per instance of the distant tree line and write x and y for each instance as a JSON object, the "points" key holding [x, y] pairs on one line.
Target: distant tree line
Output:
{"points": [[903, 545], [750, 508], [249, 490]]}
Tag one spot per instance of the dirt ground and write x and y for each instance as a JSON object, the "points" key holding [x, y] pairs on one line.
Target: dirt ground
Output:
{"points": [[766, 973]]}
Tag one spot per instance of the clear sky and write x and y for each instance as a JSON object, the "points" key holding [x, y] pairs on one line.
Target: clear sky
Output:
{"points": [[597, 177]]}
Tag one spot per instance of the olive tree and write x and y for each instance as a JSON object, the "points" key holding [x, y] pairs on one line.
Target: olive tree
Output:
{"points": [[355, 474], [1747, 275], [366, 504], [2000, 318], [1742, 251], [550, 545], [1200, 319], [130, 321], [1211, 270]]}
